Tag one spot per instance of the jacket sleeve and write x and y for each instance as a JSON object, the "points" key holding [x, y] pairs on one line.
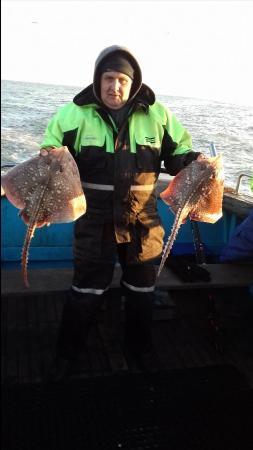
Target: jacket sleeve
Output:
{"points": [[53, 136], [176, 149]]}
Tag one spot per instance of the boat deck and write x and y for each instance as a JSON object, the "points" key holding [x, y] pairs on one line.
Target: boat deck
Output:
{"points": [[202, 399], [192, 328]]}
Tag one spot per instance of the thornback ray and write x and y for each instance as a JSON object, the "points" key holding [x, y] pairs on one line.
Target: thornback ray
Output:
{"points": [[46, 189], [196, 192]]}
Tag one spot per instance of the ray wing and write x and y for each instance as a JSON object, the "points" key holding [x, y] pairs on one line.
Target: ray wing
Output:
{"points": [[197, 190], [20, 182]]}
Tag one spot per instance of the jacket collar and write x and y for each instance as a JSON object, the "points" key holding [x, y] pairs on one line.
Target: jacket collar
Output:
{"points": [[143, 99]]}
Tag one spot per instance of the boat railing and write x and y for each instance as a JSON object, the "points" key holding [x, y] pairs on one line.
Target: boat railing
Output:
{"points": [[240, 175]]}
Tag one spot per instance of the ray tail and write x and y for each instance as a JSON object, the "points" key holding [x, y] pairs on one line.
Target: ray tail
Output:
{"points": [[171, 239], [29, 234], [24, 259]]}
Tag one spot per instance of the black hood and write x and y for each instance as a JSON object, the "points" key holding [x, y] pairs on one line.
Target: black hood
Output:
{"points": [[140, 92], [119, 51]]}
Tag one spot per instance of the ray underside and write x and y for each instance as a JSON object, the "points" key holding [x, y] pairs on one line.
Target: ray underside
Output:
{"points": [[197, 200]]}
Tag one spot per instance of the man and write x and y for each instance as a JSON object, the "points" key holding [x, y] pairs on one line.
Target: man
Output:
{"points": [[118, 135]]}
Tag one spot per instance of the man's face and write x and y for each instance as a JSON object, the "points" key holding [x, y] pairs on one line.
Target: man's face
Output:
{"points": [[115, 89]]}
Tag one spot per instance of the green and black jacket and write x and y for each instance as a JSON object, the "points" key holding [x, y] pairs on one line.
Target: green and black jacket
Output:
{"points": [[119, 168]]}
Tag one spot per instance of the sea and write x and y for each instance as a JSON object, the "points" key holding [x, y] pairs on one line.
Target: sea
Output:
{"points": [[27, 108]]}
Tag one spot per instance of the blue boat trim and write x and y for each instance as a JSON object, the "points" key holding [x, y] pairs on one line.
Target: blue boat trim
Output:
{"points": [[54, 243]]}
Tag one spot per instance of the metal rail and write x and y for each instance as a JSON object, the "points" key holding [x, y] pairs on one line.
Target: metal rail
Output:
{"points": [[240, 176]]}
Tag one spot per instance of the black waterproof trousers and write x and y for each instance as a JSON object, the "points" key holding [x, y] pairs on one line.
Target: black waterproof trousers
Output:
{"points": [[95, 255]]}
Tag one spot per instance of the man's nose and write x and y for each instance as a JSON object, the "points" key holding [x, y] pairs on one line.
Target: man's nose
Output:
{"points": [[115, 85]]}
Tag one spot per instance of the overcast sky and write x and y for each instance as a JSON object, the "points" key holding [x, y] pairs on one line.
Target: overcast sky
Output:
{"points": [[188, 48]]}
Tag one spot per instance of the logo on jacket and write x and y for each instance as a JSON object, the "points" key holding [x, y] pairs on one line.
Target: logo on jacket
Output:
{"points": [[150, 140], [89, 138]]}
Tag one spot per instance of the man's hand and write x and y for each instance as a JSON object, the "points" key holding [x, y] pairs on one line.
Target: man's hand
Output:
{"points": [[45, 151], [201, 157], [52, 153]]}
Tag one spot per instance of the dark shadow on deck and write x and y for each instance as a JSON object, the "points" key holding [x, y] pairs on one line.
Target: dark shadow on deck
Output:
{"points": [[201, 400], [191, 409], [184, 328]]}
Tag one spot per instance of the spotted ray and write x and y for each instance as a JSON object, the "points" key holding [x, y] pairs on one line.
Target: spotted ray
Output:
{"points": [[46, 189], [196, 192]]}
